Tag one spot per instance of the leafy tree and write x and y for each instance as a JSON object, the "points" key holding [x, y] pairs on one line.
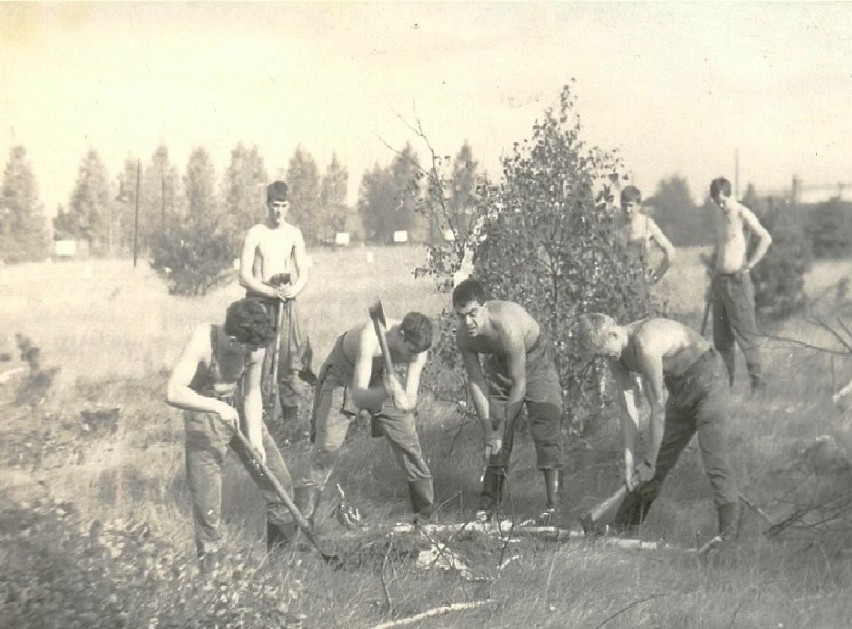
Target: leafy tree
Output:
{"points": [[23, 234], [89, 210], [829, 228], [160, 183], [244, 193], [196, 254], [122, 218], [545, 238], [676, 213], [304, 194], [779, 282], [333, 195], [388, 199]]}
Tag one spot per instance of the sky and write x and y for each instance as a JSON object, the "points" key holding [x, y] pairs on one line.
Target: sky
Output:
{"points": [[677, 88]]}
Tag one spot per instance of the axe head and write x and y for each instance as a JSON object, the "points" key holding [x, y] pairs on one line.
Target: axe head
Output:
{"points": [[377, 312]]}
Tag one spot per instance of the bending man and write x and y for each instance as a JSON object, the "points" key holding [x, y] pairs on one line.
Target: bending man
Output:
{"points": [[666, 353]]}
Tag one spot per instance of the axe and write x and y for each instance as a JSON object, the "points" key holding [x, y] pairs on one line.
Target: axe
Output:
{"points": [[301, 522], [377, 314], [603, 514]]}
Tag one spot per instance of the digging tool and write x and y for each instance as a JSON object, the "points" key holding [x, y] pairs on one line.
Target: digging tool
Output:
{"points": [[706, 318], [301, 522], [603, 514], [279, 280], [377, 314]]}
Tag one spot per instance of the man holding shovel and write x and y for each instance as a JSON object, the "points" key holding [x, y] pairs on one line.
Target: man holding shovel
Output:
{"points": [[665, 353], [519, 370], [359, 374], [274, 270], [217, 382]]}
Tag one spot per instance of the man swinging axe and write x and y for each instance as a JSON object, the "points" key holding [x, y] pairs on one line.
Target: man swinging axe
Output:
{"points": [[665, 353], [274, 270], [359, 374]]}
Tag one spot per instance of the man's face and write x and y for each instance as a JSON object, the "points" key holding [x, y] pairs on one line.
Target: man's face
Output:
{"points": [[630, 207], [239, 347], [278, 211], [722, 200], [471, 317]]}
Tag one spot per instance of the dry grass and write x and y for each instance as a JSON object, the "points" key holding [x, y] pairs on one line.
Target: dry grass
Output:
{"points": [[113, 333]]}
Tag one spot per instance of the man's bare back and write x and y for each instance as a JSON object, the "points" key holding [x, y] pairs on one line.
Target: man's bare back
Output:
{"points": [[677, 345]]}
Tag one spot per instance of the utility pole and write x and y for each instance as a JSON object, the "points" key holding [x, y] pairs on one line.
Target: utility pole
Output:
{"points": [[163, 198], [136, 214], [737, 173]]}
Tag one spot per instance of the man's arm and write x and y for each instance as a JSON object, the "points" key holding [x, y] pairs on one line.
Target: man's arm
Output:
{"points": [[247, 255], [178, 393], [301, 264], [253, 402], [363, 395], [516, 363], [651, 369], [657, 235], [629, 419], [406, 399], [764, 239], [477, 386]]}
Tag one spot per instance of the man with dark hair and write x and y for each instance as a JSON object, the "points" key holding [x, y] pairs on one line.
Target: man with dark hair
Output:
{"points": [[274, 270], [731, 289], [352, 378], [666, 353], [640, 231], [217, 382], [519, 370]]}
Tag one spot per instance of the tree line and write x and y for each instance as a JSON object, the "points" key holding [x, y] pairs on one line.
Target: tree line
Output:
{"points": [[101, 210]]}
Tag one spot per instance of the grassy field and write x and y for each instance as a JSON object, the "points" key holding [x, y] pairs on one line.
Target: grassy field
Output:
{"points": [[95, 528]]}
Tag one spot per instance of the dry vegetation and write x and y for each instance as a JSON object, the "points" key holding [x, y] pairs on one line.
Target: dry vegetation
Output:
{"points": [[94, 521]]}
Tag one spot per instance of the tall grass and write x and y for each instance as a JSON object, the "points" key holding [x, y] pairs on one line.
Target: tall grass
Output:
{"points": [[113, 333]]}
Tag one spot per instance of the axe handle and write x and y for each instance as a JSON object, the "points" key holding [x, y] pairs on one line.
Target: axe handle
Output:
{"points": [[706, 318], [276, 351], [301, 522], [383, 344]]}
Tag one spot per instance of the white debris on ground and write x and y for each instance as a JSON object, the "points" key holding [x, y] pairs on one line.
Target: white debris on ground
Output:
{"points": [[440, 556]]}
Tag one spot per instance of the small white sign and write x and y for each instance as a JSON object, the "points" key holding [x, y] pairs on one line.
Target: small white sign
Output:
{"points": [[341, 238], [449, 236], [400, 235], [66, 248]]}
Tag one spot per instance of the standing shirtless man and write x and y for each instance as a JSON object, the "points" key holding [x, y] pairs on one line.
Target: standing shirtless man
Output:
{"points": [[274, 269], [640, 232], [520, 370], [731, 289]]}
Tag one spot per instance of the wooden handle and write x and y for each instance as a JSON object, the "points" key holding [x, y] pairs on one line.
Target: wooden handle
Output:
{"points": [[383, 344]]}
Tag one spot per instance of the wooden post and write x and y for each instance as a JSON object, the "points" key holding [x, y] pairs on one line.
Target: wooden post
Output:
{"points": [[136, 215]]}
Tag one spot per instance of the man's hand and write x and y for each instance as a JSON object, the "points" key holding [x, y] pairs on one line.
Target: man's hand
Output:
{"points": [[285, 292], [394, 390], [259, 450], [643, 473], [493, 442], [229, 415]]}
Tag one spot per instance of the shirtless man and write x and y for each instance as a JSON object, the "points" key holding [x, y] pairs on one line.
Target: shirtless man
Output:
{"points": [[519, 370], [666, 352], [640, 232], [217, 382], [353, 378], [274, 251], [731, 289]]}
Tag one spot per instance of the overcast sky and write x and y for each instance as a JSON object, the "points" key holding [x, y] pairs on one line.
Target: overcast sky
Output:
{"points": [[676, 87]]}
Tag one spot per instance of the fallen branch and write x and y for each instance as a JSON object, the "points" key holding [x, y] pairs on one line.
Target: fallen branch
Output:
{"points": [[436, 611], [624, 609]]}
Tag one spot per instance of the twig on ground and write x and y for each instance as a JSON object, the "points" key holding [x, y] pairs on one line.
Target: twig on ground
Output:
{"points": [[757, 510], [632, 605], [436, 611], [388, 601]]}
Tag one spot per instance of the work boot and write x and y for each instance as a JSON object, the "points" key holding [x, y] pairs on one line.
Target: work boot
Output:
{"points": [[758, 384], [551, 488], [278, 535], [307, 498], [729, 514], [492, 492], [420, 492]]}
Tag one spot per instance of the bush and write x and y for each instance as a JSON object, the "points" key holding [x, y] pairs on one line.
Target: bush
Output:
{"points": [[829, 228], [547, 241], [192, 261]]}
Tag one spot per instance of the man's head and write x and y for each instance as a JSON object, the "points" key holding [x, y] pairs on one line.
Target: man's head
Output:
{"points": [[247, 323], [276, 201], [631, 200], [468, 301], [720, 191], [598, 334], [416, 332]]}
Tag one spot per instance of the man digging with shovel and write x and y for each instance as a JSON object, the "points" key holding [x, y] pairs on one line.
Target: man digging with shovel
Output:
{"points": [[359, 374], [665, 353], [217, 382]]}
